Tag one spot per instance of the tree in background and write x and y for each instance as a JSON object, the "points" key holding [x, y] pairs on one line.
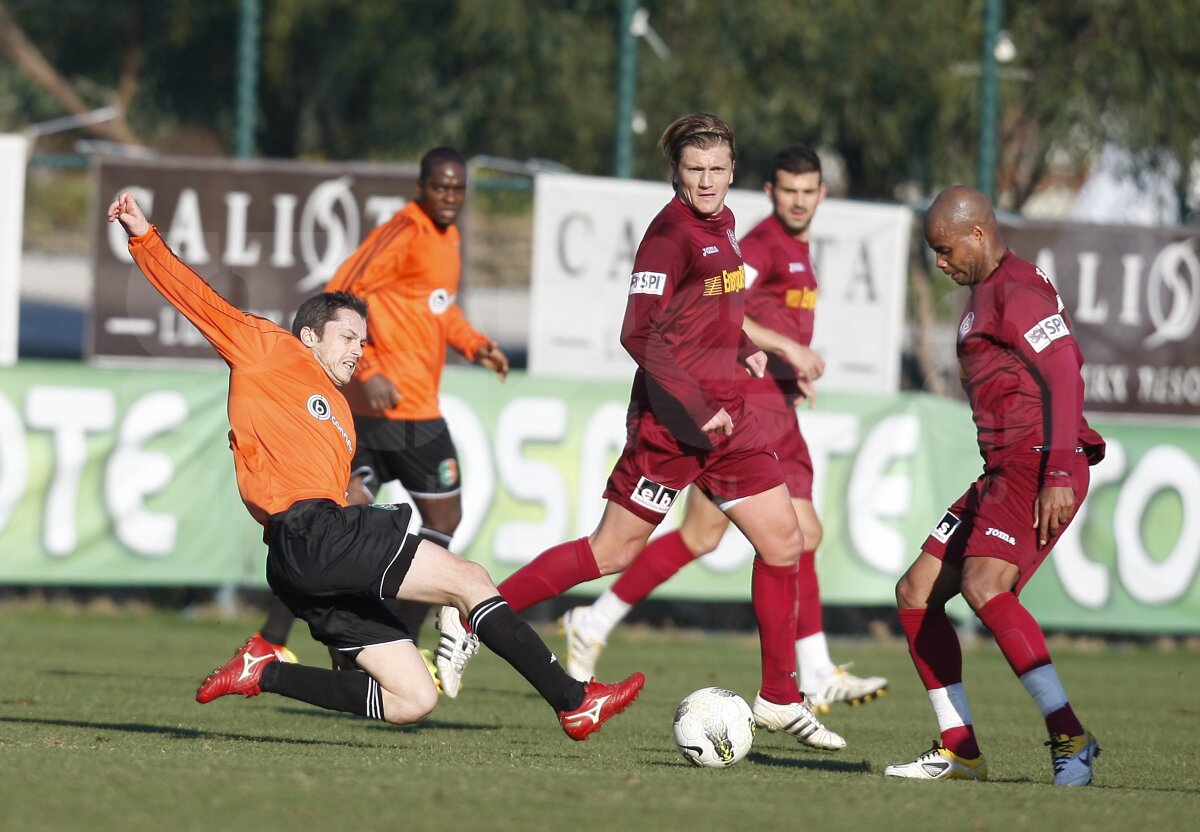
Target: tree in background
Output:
{"points": [[873, 80]]}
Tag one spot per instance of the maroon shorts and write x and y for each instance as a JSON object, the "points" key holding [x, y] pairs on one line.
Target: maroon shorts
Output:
{"points": [[654, 467], [781, 428], [994, 518]]}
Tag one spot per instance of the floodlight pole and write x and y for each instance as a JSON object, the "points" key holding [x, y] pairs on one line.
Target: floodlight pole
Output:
{"points": [[247, 79], [993, 12], [626, 83]]}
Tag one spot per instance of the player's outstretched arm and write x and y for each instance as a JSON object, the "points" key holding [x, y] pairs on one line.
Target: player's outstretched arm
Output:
{"points": [[126, 211]]}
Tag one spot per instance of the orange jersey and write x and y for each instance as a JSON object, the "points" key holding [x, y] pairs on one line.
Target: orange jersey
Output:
{"points": [[408, 271], [292, 431]]}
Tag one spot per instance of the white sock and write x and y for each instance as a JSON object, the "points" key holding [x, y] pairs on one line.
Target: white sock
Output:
{"points": [[813, 662], [950, 707], [1046, 689], [605, 613]]}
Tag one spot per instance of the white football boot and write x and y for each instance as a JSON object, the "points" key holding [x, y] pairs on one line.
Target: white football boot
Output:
{"points": [[798, 720], [939, 763], [583, 650], [455, 648], [844, 686]]}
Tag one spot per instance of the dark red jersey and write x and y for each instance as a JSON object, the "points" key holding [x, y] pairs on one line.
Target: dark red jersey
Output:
{"points": [[1020, 369], [683, 320], [781, 292]]}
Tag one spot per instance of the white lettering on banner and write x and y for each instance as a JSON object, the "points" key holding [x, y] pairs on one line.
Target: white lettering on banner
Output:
{"points": [[587, 229], [474, 456], [237, 251], [132, 473], [379, 209], [1149, 579], [1176, 271], [521, 422], [14, 460], [1105, 382], [70, 413], [877, 496], [283, 255], [1086, 582], [603, 439], [1172, 291], [1169, 385], [828, 435], [186, 233], [330, 213]]}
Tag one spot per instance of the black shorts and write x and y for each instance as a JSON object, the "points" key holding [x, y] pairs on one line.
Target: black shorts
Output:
{"points": [[420, 454], [333, 566]]}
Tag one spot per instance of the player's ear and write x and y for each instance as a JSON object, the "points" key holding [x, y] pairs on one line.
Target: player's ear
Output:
{"points": [[308, 336]]}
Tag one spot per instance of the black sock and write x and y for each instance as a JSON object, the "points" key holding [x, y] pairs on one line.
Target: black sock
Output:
{"points": [[278, 624], [347, 691], [515, 641]]}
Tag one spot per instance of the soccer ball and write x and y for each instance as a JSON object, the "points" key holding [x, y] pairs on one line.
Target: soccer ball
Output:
{"points": [[713, 727]]}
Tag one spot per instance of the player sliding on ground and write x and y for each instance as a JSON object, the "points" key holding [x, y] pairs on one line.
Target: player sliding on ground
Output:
{"points": [[333, 564]]}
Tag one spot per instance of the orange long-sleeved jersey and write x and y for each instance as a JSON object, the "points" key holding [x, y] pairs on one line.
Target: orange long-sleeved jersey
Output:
{"points": [[292, 432], [408, 271]]}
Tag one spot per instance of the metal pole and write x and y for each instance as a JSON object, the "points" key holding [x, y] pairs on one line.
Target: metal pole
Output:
{"points": [[247, 79], [993, 12], [626, 82]]}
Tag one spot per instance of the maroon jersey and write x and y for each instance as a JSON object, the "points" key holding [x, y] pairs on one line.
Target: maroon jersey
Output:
{"points": [[683, 320], [781, 295], [1020, 369]]}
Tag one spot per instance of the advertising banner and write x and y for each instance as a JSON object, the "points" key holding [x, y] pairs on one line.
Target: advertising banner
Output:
{"points": [[585, 235], [13, 151], [122, 477], [1133, 296], [264, 234]]}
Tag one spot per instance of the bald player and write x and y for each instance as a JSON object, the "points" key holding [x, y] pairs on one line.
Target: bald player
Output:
{"points": [[1020, 370]]}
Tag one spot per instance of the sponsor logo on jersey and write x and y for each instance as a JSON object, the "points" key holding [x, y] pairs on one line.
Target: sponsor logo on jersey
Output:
{"points": [[1005, 536], [945, 527], [965, 326], [653, 496], [805, 298], [707, 250], [1046, 331], [439, 301], [318, 406], [647, 283], [793, 268], [733, 242], [725, 282]]}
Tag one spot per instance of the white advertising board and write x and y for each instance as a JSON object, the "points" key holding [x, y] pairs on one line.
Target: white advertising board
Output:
{"points": [[586, 233], [12, 218]]}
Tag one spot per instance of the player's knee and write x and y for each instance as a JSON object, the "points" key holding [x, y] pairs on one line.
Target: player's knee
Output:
{"points": [[977, 590], [413, 705], [701, 540]]}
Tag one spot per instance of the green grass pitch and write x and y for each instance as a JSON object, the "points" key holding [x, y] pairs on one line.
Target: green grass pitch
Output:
{"points": [[99, 731]]}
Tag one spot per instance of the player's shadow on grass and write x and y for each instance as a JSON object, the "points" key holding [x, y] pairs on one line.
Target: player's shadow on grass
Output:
{"points": [[822, 763], [384, 726], [180, 733], [97, 674]]}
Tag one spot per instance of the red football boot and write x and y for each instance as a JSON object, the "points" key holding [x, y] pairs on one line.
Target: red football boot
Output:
{"points": [[600, 704], [241, 673]]}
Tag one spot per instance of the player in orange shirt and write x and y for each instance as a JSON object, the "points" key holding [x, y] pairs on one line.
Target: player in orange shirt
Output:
{"points": [[332, 563], [408, 270]]}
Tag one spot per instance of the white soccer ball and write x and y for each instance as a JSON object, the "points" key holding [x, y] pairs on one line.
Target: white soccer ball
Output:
{"points": [[713, 727]]}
